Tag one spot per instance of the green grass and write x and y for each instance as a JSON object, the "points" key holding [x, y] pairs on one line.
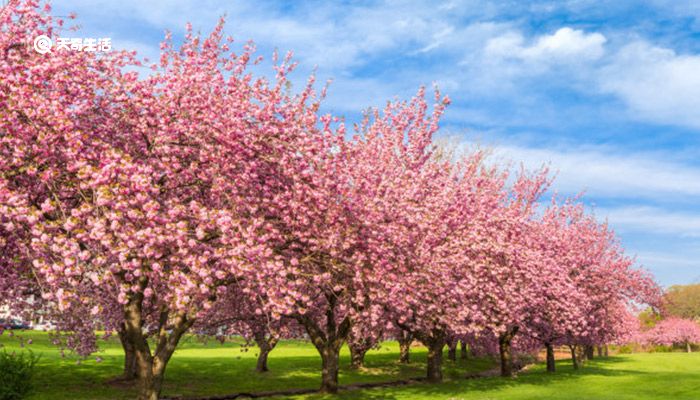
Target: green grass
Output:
{"points": [[199, 369], [642, 376]]}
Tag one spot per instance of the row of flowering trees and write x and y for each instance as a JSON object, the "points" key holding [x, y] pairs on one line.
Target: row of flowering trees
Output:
{"points": [[671, 331], [199, 198]]}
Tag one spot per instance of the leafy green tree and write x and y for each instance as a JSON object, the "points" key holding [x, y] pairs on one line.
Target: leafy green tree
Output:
{"points": [[682, 301]]}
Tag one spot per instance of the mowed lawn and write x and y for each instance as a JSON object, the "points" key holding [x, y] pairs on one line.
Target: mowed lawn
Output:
{"points": [[201, 369], [631, 376]]}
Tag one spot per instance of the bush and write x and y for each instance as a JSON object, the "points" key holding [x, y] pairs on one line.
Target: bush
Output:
{"points": [[16, 371], [661, 349], [625, 349]]}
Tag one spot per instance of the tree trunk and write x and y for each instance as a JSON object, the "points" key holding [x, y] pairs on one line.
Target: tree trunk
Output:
{"points": [[452, 351], [328, 339], [129, 372], [687, 347], [435, 347], [265, 344], [574, 358], [150, 367], [504, 347], [589, 352], [551, 366], [405, 339], [329, 372], [150, 384], [463, 354], [605, 350], [599, 349], [357, 356], [359, 346], [261, 365]]}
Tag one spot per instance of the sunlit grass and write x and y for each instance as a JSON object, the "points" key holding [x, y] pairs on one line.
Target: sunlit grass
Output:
{"points": [[624, 377]]}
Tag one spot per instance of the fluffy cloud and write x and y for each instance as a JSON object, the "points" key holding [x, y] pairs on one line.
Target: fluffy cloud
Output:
{"points": [[657, 84], [566, 45], [653, 220], [607, 174]]}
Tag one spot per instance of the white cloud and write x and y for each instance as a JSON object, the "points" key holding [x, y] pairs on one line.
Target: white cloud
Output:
{"points": [[566, 45], [606, 174], [508, 63], [657, 84], [438, 39], [653, 220]]}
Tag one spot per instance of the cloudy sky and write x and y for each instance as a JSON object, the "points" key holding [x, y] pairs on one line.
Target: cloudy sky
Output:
{"points": [[606, 93]]}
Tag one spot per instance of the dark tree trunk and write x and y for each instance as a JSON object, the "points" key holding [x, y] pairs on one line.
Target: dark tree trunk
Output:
{"points": [[589, 352], [435, 341], [599, 350], [357, 356], [435, 347], [261, 365], [574, 358], [504, 347], [464, 352], [551, 366], [605, 350], [359, 346], [150, 366], [328, 342], [405, 339], [329, 372], [129, 372], [265, 344], [452, 351]]}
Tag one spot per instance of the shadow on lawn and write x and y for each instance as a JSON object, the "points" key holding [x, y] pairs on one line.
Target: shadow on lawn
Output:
{"points": [[408, 382], [224, 377]]}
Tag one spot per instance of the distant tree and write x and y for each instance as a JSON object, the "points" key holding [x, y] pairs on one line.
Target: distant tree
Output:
{"points": [[682, 301], [675, 331]]}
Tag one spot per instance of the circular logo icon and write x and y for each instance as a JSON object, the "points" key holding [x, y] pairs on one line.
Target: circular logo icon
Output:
{"points": [[42, 44]]}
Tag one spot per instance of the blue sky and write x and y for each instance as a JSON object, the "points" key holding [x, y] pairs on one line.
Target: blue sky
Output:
{"points": [[607, 93]]}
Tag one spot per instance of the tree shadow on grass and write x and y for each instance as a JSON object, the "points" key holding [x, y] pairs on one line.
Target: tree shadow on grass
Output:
{"points": [[189, 377]]}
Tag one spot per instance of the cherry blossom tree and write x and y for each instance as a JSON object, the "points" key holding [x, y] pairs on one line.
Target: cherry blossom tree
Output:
{"points": [[417, 291], [557, 308], [151, 189], [610, 284], [675, 331]]}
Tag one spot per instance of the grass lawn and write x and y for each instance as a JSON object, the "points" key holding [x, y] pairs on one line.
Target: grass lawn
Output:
{"points": [[639, 376], [199, 369]]}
